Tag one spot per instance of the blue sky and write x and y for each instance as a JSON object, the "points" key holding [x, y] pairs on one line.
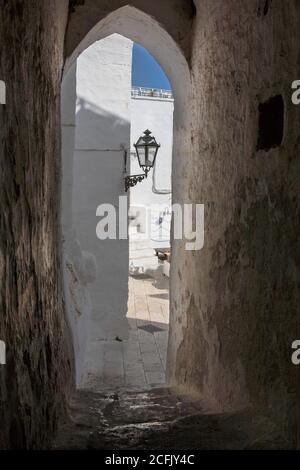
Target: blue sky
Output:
{"points": [[146, 71]]}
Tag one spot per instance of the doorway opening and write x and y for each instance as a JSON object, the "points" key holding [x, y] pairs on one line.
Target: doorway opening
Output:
{"points": [[117, 288], [150, 202]]}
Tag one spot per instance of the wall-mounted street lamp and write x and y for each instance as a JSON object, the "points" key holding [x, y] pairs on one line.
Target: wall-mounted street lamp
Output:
{"points": [[146, 150]]}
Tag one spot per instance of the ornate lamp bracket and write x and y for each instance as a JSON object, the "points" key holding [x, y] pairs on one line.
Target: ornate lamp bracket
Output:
{"points": [[132, 180]]}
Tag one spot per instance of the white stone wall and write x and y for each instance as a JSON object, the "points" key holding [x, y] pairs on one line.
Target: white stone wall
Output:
{"points": [[96, 95], [77, 296], [154, 193], [102, 128]]}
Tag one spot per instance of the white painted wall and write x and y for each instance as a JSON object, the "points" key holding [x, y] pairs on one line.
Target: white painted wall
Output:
{"points": [[102, 127], [155, 114], [78, 267]]}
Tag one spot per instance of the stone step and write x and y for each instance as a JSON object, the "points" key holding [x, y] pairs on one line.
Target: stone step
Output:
{"points": [[143, 253], [146, 263], [139, 244]]}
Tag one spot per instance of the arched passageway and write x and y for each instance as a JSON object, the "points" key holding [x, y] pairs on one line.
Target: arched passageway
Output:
{"points": [[119, 325], [110, 292], [235, 303]]}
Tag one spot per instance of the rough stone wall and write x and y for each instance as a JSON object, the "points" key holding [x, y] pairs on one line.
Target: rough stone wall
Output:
{"points": [[235, 312], [35, 380], [175, 16]]}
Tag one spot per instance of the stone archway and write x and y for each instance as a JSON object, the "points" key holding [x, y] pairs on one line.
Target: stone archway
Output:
{"points": [[139, 27], [241, 293]]}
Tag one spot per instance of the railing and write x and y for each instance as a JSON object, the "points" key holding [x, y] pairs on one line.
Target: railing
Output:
{"points": [[151, 92]]}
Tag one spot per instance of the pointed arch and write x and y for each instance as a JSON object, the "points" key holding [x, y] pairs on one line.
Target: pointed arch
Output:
{"points": [[144, 29]]}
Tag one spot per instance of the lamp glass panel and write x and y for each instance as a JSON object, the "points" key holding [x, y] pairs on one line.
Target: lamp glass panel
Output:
{"points": [[151, 155], [141, 155]]}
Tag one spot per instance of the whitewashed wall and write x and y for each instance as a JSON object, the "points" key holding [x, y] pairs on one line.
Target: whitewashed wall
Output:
{"points": [[77, 269], [102, 128], [155, 114]]}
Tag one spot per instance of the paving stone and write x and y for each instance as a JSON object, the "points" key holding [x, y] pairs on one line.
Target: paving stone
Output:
{"points": [[141, 349]]}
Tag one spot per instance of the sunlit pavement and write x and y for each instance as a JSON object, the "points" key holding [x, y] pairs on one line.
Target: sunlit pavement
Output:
{"points": [[137, 359]]}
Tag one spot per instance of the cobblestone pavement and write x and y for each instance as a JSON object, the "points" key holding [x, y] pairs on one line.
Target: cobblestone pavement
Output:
{"points": [[136, 358], [126, 404], [160, 419]]}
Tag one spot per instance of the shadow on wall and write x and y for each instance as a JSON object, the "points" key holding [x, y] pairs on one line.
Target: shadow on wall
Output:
{"points": [[98, 179], [100, 129], [101, 296]]}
